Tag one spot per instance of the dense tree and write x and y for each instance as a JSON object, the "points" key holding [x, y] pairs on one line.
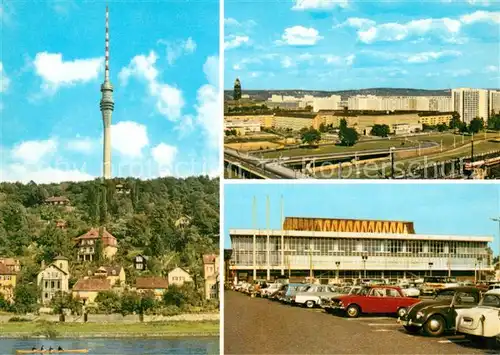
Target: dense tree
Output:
{"points": [[476, 125], [310, 136], [494, 122], [348, 136], [455, 122], [442, 127], [25, 298], [108, 302], [380, 130]]}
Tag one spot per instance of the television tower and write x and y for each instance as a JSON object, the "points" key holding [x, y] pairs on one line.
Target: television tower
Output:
{"points": [[107, 105]]}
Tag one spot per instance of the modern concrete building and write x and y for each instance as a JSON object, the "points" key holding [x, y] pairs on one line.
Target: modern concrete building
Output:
{"points": [[400, 103], [470, 103], [326, 103], [53, 279], [107, 105], [347, 249], [242, 127], [434, 120], [494, 102]]}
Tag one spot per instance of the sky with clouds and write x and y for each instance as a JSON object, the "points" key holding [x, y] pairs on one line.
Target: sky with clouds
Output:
{"points": [[353, 44], [164, 68]]}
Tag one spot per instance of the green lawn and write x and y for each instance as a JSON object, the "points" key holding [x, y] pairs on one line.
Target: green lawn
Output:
{"points": [[110, 329]]}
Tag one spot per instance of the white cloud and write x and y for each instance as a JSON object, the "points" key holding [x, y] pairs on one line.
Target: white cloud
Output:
{"points": [[234, 41], [33, 152], [178, 48], [4, 80], [129, 138], [164, 155], [208, 107], [55, 72], [460, 72], [350, 59], [472, 2], [492, 69], [232, 22], [211, 70], [82, 144], [287, 62], [301, 5], [22, 173], [169, 100], [357, 22], [481, 16], [425, 57], [369, 31], [300, 36]]}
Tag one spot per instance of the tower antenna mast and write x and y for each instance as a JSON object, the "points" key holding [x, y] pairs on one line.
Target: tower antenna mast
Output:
{"points": [[107, 106]]}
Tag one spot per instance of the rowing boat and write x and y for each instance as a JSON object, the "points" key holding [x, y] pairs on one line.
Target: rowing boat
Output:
{"points": [[75, 351]]}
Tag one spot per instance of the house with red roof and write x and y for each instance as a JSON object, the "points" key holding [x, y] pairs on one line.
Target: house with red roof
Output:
{"points": [[88, 289], [86, 244]]}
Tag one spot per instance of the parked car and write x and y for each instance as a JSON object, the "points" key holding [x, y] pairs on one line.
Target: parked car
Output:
{"points": [[291, 290], [326, 302], [438, 315], [278, 293], [494, 286], [311, 296], [482, 323], [270, 289], [409, 290], [374, 299], [432, 284]]}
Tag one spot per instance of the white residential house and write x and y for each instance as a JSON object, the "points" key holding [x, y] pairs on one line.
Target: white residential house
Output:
{"points": [[53, 278], [178, 276]]}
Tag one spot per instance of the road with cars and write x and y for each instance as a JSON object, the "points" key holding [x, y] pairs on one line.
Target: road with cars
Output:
{"points": [[262, 326]]}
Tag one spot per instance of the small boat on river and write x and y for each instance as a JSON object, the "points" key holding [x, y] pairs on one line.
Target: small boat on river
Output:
{"points": [[74, 351]]}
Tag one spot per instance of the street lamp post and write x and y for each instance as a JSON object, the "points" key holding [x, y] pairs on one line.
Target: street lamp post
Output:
{"points": [[479, 260], [391, 151], [430, 268], [364, 257], [496, 219]]}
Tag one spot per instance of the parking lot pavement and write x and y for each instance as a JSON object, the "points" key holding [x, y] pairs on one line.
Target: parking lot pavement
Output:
{"points": [[261, 326]]}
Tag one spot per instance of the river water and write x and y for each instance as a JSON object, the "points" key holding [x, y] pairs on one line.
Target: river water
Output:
{"points": [[194, 346]]}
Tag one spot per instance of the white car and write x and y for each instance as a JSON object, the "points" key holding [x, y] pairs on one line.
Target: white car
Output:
{"points": [[481, 323], [312, 296], [269, 290], [409, 290]]}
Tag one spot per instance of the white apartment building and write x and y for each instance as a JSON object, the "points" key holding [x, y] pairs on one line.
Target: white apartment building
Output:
{"points": [[326, 103], [494, 101], [365, 102], [351, 248], [400, 103], [470, 103]]}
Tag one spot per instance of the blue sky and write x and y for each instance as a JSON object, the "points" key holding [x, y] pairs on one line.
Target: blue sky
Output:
{"points": [[457, 209], [353, 44], [164, 69]]}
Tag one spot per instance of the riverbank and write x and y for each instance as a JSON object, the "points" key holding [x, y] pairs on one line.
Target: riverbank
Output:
{"points": [[109, 330]]}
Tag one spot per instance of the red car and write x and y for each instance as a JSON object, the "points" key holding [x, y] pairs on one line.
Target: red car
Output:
{"points": [[374, 299]]}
